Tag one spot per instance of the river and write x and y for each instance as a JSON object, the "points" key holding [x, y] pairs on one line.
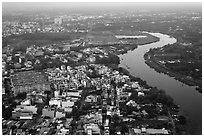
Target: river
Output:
{"points": [[186, 96]]}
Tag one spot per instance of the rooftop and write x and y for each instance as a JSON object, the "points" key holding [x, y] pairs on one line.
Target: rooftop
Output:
{"points": [[28, 78]]}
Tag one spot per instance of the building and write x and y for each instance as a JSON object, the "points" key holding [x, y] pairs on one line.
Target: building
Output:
{"points": [[68, 110], [163, 118], [24, 112], [66, 47], [48, 112], [60, 114], [157, 131], [28, 81], [25, 108], [91, 59], [91, 98], [150, 131], [58, 21], [141, 94], [73, 93], [39, 53], [55, 102], [67, 104], [92, 129], [56, 94]]}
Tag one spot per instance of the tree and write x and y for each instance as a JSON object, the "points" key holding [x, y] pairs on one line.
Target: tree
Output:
{"points": [[21, 95], [124, 129], [6, 112], [182, 120], [116, 119]]}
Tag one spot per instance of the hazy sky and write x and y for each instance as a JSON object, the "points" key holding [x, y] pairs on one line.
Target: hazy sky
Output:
{"points": [[62, 5]]}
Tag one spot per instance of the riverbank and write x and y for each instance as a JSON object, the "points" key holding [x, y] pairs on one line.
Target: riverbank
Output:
{"points": [[186, 96], [124, 48], [179, 120], [153, 63]]}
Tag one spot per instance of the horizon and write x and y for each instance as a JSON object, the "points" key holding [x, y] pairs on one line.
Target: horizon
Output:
{"points": [[29, 6]]}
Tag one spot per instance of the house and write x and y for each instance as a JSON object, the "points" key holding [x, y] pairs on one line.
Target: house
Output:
{"points": [[92, 129], [95, 129], [144, 112], [22, 115], [91, 59], [157, 131], [24, 112], [124, 96], [48, 112], [72, 93], [64, 131], [79, 55], [150, 131], [163, 118], [109, 113], [93, 118], [73, 99], [143, 130], [132, 103], [29, 116], [91, 98], [39, 53], [140, 94], [29, 108], [26, 102], [28, 64], [88, 129], [68, 122], [37, 61], [55, 101], [67, 110], [137, 131], [136, 113], [60, 114], [17, 65], [67, 103], [135, 85], [66, 47]]}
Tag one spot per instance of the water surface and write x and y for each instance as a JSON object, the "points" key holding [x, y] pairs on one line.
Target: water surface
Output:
{"points": [[186, 96]]}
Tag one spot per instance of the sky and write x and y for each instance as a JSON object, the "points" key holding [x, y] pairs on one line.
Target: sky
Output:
{"points": [[64, 5]]}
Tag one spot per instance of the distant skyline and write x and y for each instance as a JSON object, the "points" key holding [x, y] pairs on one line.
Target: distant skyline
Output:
{"points": [[23, 6]]}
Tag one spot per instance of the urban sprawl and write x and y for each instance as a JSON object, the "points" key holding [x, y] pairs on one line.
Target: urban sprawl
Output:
{"points": [[71, 89]]}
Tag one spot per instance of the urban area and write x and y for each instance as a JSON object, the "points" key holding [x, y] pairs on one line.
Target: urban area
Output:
{"points": [[61, 76]]}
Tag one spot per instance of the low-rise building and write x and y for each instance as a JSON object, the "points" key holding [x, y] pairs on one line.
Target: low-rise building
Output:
{"points": [[48, 112], [67, 104], [27, 81], [55, 101], [60, 114]]}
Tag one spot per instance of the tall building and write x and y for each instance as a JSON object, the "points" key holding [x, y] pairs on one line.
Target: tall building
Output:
{"points": [[58, 21]]}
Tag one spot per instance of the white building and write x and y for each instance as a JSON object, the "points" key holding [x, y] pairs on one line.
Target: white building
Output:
{"points": [[60, 114], [55, 101], [67, 103]]}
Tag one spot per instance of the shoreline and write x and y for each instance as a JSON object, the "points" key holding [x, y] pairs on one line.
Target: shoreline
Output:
{"points": [[135, 78], [189, 129], [152, 63]]}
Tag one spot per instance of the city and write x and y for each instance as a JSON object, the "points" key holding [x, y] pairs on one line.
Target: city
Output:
{"points": [[79, 73]]}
